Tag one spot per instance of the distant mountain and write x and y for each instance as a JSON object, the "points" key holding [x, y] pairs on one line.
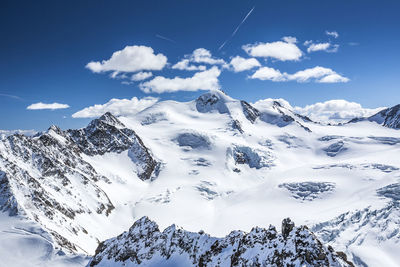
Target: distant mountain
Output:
{"points": [[389, 117], [144, 244]]}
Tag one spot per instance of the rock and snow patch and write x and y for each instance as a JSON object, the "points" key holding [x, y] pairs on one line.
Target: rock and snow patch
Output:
{"points": [[391, 191], [308, 190], [254, 158], [193, 140], [335, 149], [214, 101]]}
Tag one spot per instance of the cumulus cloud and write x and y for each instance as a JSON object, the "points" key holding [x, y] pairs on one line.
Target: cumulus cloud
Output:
{"points": [[266, 73], [280, 50], [311, 73], [204, 80], [140, 76], [51, 106], [130, 59], [289, 39], [199, 56], [184, 65], [202, 55], [332, 33], [117, 107], [327, 47], [241, 64], [335, 111], [317, 74]]}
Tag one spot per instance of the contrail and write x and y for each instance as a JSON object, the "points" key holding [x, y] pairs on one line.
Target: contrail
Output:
{"points": [[165, 38], [11, 96], [237, 28]]}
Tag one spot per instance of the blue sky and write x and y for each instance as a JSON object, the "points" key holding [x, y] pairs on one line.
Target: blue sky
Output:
{"points": [[46, 46]]}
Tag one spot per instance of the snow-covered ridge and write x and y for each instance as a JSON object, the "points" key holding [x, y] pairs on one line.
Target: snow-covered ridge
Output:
{"points": [[46, 179], [145, 244]]}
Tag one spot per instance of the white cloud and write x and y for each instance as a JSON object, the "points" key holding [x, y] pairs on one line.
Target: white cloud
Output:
{"points": [[333, 78], [205, 80], [198, 56], [52, 106], [311, 73], [241, 64], [184, 65], [266, 73], [202, 55], [335, 111], [117, 107], [130, 59], [289, 39], [332, 33], [328, 47], [140, 76], [318, 74], [281, 50]]}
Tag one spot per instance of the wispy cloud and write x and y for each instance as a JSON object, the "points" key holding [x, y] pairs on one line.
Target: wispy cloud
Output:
{"points": [[334, 34], [51, 106], [237, 28], [327, 47]]}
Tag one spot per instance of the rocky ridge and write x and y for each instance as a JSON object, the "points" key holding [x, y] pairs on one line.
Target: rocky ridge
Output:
{"points": [[145, 244]]}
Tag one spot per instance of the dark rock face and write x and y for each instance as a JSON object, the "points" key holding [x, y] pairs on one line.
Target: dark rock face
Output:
{"points": [[249, 111], [148, 167], [236, 125], [106, 134], [260, 247], [287, 227]]}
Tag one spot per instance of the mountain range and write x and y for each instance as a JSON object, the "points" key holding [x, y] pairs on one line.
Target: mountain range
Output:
{"points": [[99, 195]]}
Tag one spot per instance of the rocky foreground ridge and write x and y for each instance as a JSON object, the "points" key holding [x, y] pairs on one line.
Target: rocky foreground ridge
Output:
{"points": [[144, 244]]}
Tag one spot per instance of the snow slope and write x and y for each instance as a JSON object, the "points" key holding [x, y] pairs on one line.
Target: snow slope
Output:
{"points": [[218, 164]]}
